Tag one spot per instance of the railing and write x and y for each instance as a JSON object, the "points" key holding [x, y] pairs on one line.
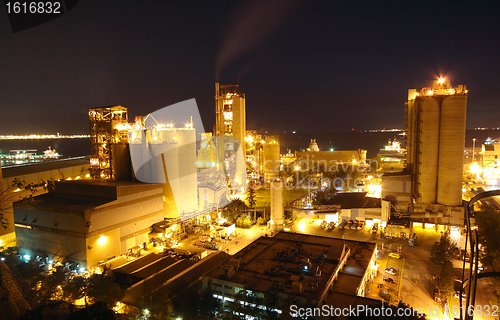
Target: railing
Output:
{"points": [[471, 281]]}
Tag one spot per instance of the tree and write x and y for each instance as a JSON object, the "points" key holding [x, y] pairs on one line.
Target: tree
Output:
{"points": [[444, 250], [233, 210], [101, 287], [74, 289], [488, 223], [446, 285], [251, 194], [51, 285], [189, 303]]}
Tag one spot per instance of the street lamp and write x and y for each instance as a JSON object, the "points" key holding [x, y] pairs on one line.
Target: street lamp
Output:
{"points": [[473, 149]]}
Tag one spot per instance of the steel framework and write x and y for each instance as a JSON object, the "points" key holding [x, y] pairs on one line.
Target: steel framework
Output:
{"points": [[105, 130]]}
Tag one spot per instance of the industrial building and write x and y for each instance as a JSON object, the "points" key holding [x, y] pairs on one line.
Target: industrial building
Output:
{"points": [[64, 169], [489, 164], [430, 189], [355, 206], [308, 270], [88, 221], [328, 160], [109, 153]]}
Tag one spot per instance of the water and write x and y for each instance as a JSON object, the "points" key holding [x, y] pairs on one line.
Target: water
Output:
{"points": [[370, 141], [67, 148]]}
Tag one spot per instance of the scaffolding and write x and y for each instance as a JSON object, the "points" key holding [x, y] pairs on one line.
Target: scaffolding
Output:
{"points": [[108, 126]]}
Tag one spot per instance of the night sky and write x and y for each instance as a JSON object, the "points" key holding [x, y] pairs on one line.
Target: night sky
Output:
{"points": [[309, 65]]}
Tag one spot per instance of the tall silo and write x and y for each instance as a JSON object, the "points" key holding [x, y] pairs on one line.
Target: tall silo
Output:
{"points": [[186, 198], [435, 122], [271, 158], [451, 150], [277, 204]]}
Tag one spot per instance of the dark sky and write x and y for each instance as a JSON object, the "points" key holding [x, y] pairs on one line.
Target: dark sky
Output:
{"points": [[309, 65]]}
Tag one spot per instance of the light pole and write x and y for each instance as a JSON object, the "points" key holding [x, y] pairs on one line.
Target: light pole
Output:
{"points": [[473, 149]]}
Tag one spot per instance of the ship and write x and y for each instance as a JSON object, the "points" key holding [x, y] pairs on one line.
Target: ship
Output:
{"points": [[393, 151], [28, 156]]}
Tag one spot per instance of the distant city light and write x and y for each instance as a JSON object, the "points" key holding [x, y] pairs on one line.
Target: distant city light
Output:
{"points": [[26, 257], [441, 80], [43, 136]]}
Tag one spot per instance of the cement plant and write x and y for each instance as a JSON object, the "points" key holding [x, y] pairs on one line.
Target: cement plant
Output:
{"points": [[258, 232]]}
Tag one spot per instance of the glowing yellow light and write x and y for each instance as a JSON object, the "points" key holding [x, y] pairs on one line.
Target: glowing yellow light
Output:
{"points": [[474, 168], [302, 226], [102, 240], [441, 80], [354, 161], [430, 92], [87, 175], [122, 126]]}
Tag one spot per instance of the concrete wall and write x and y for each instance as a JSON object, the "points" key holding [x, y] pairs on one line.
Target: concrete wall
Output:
{"points": [[97, 252], [428, 147], [52, 245], [362, 214], [124, 223], [451, 150]]}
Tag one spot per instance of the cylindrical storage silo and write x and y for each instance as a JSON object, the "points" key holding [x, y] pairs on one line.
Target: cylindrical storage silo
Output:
{"points": [[166, 156], [428, 138], [187, 196], [277, 204], [271, 158], [451, 150]]}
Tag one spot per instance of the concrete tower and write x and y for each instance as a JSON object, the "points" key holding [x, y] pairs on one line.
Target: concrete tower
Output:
{"points": [[230, 113], [271, 177], [435, 122]]}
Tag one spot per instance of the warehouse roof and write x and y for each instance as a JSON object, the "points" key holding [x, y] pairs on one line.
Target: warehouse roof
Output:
{"points": [[20, 170], [350, 200]]}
